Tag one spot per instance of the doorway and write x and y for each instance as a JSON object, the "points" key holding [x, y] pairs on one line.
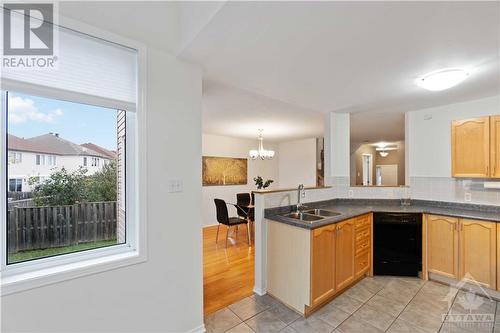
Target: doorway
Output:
{"points": [[367, 169]]}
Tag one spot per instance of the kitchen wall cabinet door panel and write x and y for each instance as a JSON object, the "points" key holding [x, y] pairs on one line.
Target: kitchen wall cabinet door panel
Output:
{"points": [[478, 248], [323, 264], [344, 254], [470, 145], [495, 146], [442, 245]]}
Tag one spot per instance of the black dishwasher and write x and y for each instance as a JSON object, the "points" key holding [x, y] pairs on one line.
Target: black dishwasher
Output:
{"points": [[397, 244]]}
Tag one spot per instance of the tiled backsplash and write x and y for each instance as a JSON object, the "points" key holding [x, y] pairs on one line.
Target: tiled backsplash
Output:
{"points": [[421, 188], [453, 190]]}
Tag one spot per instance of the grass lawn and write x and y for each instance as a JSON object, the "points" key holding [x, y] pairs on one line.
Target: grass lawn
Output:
{"points": [[36, 254]]}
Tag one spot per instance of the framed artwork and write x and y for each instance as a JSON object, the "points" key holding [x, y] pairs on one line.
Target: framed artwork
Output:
{"points": [[220, 171]]}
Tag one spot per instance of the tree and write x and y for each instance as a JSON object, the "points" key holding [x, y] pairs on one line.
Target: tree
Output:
{"points": [[64, 188], [102, 185], [61, 188]]}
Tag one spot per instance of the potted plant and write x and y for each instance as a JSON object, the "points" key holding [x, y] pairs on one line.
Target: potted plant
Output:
{"points": [[259, 182]]}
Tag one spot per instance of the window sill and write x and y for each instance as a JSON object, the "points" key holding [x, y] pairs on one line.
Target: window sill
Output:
{"points": [[34, 279]]}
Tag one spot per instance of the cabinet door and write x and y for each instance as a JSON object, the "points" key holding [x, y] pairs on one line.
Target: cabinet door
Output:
{"points": [[495, 146], [478, 252], [470, 147], [323, 264], [442, 245], [344, 254]]}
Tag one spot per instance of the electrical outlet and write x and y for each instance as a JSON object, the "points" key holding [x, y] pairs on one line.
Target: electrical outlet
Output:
{"points": [[351, 193], [175, 185], [468, 197], [303, 194]]}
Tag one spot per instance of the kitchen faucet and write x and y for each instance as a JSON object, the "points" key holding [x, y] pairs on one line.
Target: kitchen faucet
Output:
{"points": [[300, 190]]}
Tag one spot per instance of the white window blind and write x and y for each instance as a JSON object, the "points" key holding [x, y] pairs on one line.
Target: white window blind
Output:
{"points": [[87, 66]]}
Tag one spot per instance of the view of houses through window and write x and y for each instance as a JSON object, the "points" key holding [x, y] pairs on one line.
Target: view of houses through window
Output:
{"points": [[65, 176]]}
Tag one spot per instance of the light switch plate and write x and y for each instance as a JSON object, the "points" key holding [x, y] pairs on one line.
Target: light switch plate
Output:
{"points": [[175, 186]]}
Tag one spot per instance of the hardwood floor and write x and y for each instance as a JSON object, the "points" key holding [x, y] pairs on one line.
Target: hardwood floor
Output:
{"points": [[228, 274]]}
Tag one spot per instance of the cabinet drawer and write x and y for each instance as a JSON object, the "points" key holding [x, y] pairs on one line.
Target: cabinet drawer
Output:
{"points": [[362, 222], [363, 233], [362, 263], [363, 245]]}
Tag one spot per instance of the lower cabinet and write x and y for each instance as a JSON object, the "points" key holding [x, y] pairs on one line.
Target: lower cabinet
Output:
{"points": [[477, 256], [344, 254], [340, 253], [323, 263], [463, 249]]}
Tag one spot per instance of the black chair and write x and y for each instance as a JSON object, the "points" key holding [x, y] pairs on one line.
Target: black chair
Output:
{"points": [[244, 200], [223, 218]]}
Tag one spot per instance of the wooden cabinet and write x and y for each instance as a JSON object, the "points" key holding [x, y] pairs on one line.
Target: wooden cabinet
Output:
{"points": [[344, 254], [470, 146], [362, 245], [495, 146], [340, 253], [323, 263], [478, 252], [462, 249], [442, 245]]}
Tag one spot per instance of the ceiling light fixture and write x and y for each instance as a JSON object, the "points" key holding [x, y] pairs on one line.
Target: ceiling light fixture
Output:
{"points": [[261, 153], [442, 79], [383, 153]]}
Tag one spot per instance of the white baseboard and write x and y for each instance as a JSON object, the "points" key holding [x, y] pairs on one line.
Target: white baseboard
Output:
{"points": [[199, 329]]}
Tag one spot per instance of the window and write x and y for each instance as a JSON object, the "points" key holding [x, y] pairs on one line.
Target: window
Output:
{"points": [[78, 197], [96, 80], [84, 161], [15, 185], [15, 157]]}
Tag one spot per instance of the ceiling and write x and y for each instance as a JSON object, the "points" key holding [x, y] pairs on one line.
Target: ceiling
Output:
{"points": [[377, 127], [235, 112], [350, 56], [279, 65]]}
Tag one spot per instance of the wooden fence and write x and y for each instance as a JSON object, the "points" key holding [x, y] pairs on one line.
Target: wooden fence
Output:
{"points": [[35, 228], [19, 195]]}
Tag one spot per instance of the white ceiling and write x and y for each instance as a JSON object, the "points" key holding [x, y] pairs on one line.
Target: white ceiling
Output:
{"points": [[235, 112], [350, 56], [310, 57]]}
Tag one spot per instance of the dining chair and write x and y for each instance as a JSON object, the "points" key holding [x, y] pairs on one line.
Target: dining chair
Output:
{"points": [[223, 218]]}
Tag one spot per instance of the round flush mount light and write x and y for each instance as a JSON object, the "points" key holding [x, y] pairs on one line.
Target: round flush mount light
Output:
{"points": [[442, 79]]}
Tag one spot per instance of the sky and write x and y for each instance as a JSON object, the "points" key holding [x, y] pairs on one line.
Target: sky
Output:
{"points": [[30, 116]]}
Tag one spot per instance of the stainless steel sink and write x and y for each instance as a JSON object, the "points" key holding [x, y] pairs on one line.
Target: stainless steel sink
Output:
{"points": [[322, 212], [304, 217]]}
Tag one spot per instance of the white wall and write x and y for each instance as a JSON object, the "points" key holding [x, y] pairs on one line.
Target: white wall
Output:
{"points": [[223, 146], [297, 163], [428, 150], [165, 293], [430, 134]]}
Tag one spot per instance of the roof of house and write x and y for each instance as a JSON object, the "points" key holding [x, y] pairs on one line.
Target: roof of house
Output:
{"points": [[99, 149], [52, 144]]}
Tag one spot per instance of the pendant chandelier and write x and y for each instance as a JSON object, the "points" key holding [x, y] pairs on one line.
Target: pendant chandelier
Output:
{"points": [[261, 153]]}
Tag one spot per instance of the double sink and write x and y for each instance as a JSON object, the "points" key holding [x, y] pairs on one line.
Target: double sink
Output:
{"points": [[312, 215]]}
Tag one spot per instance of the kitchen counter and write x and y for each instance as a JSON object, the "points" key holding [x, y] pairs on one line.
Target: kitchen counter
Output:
{"points": [[354, 207]]}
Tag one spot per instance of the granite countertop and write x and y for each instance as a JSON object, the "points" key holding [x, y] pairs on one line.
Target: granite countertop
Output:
{"points": [[354, 207]]}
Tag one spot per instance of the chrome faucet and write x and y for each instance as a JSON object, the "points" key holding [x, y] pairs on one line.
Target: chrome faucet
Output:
{"points": [[300, 205]]}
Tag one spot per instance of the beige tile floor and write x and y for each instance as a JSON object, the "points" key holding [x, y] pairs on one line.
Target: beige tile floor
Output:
{"points": [[378, 304]]}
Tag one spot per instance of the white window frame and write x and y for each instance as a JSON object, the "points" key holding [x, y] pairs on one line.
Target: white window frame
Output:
{"points": [[22, 276]]}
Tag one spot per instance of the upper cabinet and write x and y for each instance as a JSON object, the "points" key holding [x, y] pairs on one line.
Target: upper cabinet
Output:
{"points": [[495, 146], [475, 148]]}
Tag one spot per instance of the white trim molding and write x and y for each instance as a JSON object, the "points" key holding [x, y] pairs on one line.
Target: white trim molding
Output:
{"points": [[37, 273]]}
